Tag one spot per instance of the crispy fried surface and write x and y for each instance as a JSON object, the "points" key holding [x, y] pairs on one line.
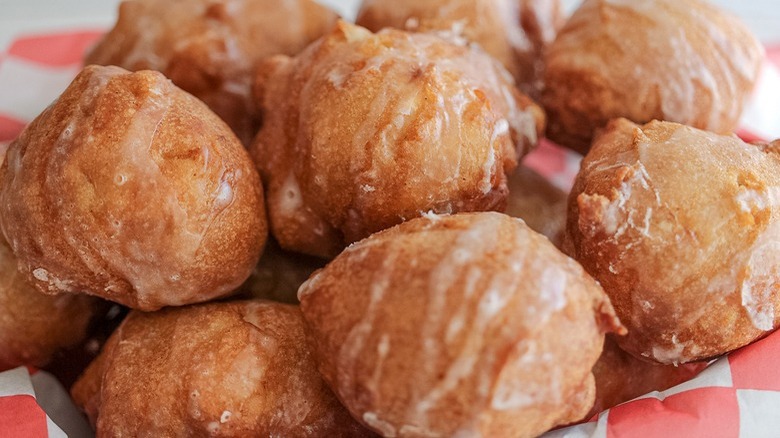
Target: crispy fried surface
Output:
{"points": [[680, 227], [515, 32], [230, 370], [686, 62], [132, 190], [362, 131], [210, 47], [34, 326], [469, 324]]}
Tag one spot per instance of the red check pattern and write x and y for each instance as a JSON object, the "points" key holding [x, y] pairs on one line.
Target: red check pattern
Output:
{"points": [[714, 415], [20, 413], [737, 396], [54, 50], [21, 416]]}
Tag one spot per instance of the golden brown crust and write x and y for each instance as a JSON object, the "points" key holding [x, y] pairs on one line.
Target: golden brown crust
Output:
{"points": [[131, 189], [229, 369], [686, 62], [34, 326], [680, 227], [515, 32], [469, 323], [210, 47], [621, 377], [363, 131], [87, 390], [538, 202]]}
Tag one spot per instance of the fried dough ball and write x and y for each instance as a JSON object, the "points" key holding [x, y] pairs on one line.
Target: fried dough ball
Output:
{"points": [[515, 32], [210, 47], [621, 377], [362, 131], [223, 369], [34, 326], [681, 227], [464, 325], [132, 190], [681, 61], [538, 202]]}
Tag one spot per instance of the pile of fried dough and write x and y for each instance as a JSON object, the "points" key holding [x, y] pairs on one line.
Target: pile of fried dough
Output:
{"points": [[324, 229]]}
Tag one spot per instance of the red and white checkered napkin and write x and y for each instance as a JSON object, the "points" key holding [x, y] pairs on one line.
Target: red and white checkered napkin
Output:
{"points": [[33, 404], [737, 396]]}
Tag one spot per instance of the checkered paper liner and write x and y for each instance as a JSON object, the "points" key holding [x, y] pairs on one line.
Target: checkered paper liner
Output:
{"points": [[33, 404], [736, 396]]}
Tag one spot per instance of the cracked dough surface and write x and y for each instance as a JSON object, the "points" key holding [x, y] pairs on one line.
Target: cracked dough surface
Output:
{"points": [[210, 47], [682, 229], [132, 190], [221, 369], [362, 131], [462, 325], [683, 61]]}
